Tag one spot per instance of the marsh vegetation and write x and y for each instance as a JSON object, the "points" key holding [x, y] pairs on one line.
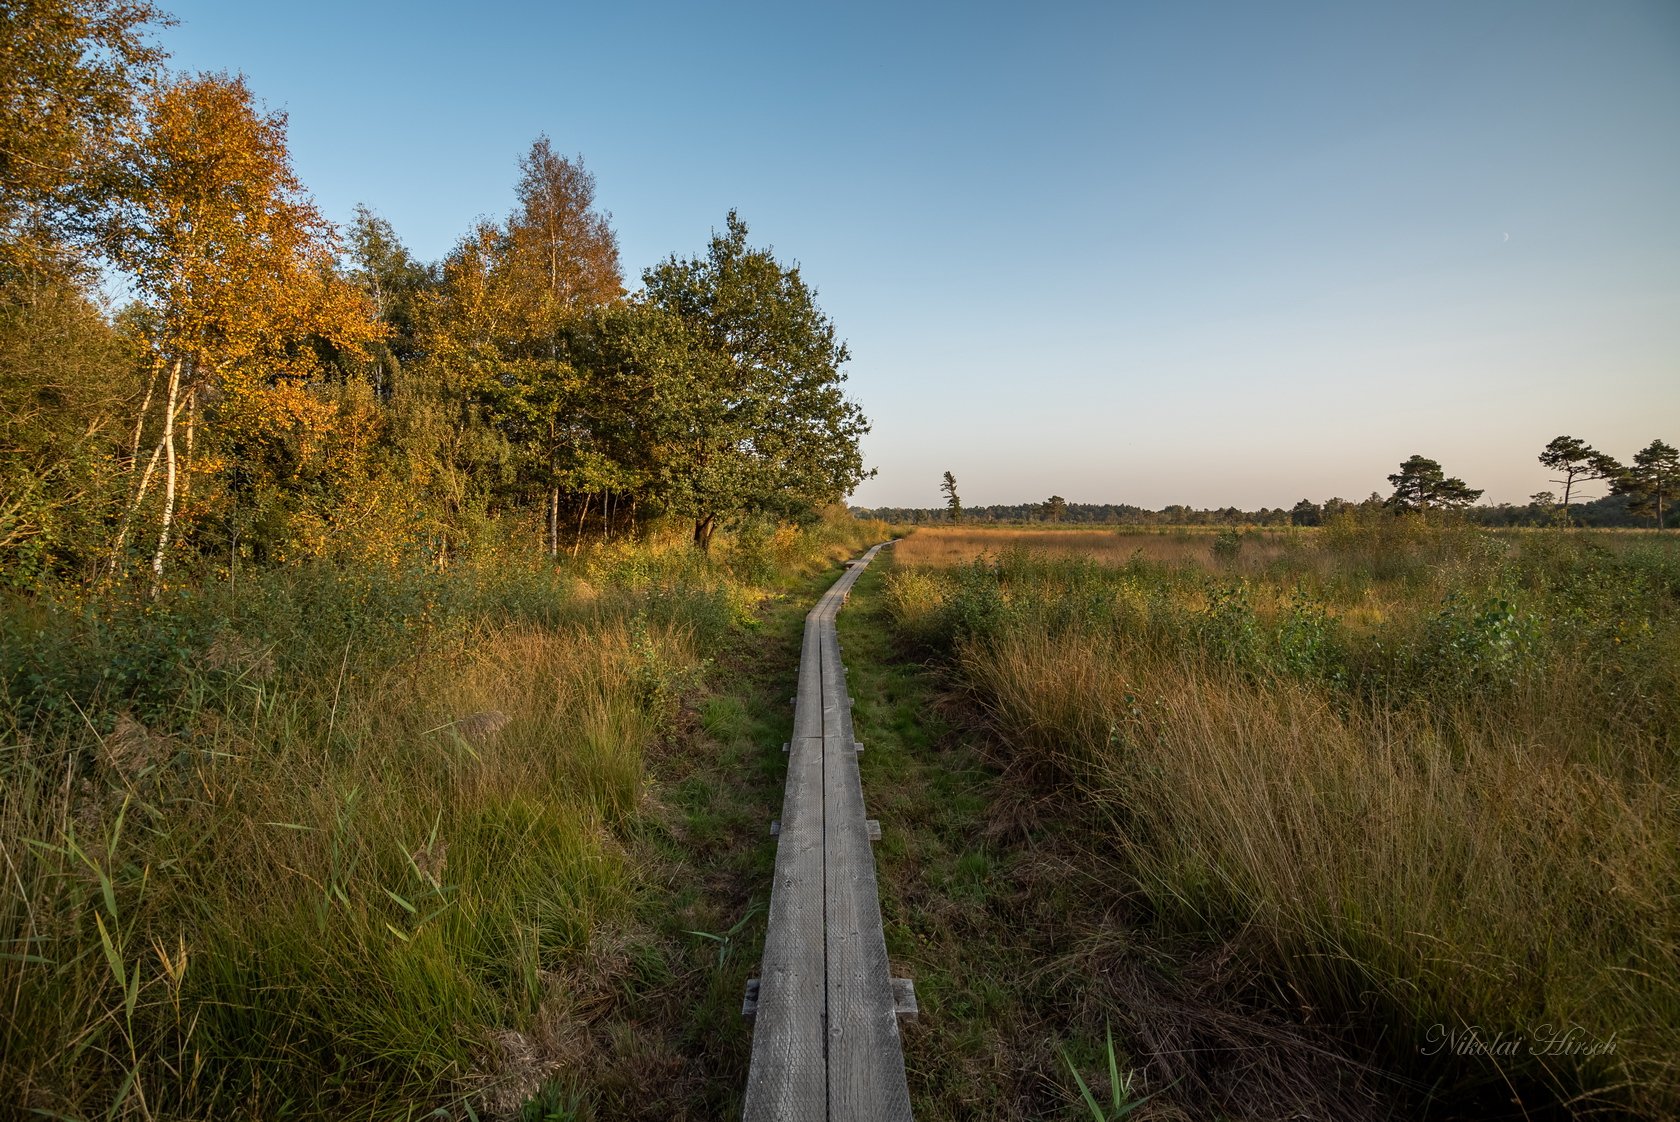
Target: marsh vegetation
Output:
{"points": [[1420, 776], [354, 843]]}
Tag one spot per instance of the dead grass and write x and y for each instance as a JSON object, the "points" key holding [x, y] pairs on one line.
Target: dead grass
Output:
{"points": [[943, 547]]}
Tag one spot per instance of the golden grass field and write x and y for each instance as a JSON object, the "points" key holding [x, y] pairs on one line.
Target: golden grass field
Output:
{"points": [[944, 546]]}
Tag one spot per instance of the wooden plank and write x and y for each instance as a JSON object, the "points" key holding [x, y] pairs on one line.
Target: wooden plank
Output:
{"points": [[904, 997], [825, 1038], [807, 709], [866, 1080], [786, 1078]]}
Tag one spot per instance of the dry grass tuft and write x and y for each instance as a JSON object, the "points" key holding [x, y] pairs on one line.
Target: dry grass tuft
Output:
{"points": [[131, 749], [516, 1069], [479, 728]]}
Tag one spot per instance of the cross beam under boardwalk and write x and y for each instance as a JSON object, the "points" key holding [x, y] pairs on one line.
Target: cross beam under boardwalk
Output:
{"points": [[826, 1045]]}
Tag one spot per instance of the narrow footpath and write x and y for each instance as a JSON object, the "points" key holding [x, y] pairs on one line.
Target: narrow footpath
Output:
{"points": [[826, 1044]]}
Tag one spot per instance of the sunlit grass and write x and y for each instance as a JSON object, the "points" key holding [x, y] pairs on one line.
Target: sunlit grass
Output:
{"points": [[344, 844], [1427, 776]]}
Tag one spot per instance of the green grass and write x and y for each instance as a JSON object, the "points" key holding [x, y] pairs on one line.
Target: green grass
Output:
{"points": [[1395, 777], [976, 892], [357, 844]]}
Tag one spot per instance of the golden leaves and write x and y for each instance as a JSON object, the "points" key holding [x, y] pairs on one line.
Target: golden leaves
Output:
{"points": [[223, 241]]}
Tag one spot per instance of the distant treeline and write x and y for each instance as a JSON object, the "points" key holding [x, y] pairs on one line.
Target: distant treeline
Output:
{"points": [[1607, 512]]}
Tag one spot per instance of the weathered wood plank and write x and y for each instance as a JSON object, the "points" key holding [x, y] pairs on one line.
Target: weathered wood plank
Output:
{"points": [[807, 709], [866, 1080], [786, 1079], [825, 1038]]}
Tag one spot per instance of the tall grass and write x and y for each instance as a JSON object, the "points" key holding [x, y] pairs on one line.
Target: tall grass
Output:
{"points": [[1428, 778], [341, 843]]}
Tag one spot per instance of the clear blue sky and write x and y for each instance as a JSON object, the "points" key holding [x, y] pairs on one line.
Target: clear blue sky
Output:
{"points": [[1125, 252]]}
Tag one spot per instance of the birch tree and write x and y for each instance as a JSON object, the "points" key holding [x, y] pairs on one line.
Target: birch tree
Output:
{"points": [[237, 267]]}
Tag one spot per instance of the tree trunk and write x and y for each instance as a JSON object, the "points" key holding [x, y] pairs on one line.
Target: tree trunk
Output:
{"points": [[121, 539], [169, 477], [703, 528], [145, 484], [577, 542], [192, 429], [233, 544], [554, 522], [145, 407]]}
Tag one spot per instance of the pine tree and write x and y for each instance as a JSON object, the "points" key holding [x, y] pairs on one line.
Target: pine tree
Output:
{"points": [[952, 503]]}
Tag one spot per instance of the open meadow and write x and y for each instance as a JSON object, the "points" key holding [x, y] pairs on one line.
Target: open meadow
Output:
{"points": [[1420, 778]]}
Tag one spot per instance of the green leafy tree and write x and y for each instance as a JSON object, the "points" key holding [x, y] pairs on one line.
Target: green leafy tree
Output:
{"points": [[497, 336], [558, 259], [763, 427], [66, 387], [381, 266], [1544, 508], [1577, 462], [1054, 507], [1306, 513], [1336, 507], [1421, 485], [1651, 483], [953, 504]]}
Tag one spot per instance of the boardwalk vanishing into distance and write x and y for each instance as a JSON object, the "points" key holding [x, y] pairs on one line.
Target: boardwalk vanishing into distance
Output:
{"points": [[826, 1009]]}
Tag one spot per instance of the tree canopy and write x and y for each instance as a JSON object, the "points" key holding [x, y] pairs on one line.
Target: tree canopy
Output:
{"points": [[1577, 462], [236, 270], [70, 75], [1651, 483], [1420, 485], [762, 424]]}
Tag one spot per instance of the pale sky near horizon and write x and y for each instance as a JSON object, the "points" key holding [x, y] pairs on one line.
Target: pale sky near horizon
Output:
{"points": [[1215, 254]]}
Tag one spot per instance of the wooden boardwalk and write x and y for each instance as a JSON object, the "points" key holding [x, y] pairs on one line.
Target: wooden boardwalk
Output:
{"points": [[825, 1037]]}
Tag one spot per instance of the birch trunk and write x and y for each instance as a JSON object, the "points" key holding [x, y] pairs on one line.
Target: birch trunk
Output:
{"points": [[168, 443], [192, 429], [134, 505], [554, 522], [145, 486], [145, 407], [578, 541]]}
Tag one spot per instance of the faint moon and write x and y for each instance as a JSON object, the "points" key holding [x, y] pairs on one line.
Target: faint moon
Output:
{"points": [[1507, 237]]}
